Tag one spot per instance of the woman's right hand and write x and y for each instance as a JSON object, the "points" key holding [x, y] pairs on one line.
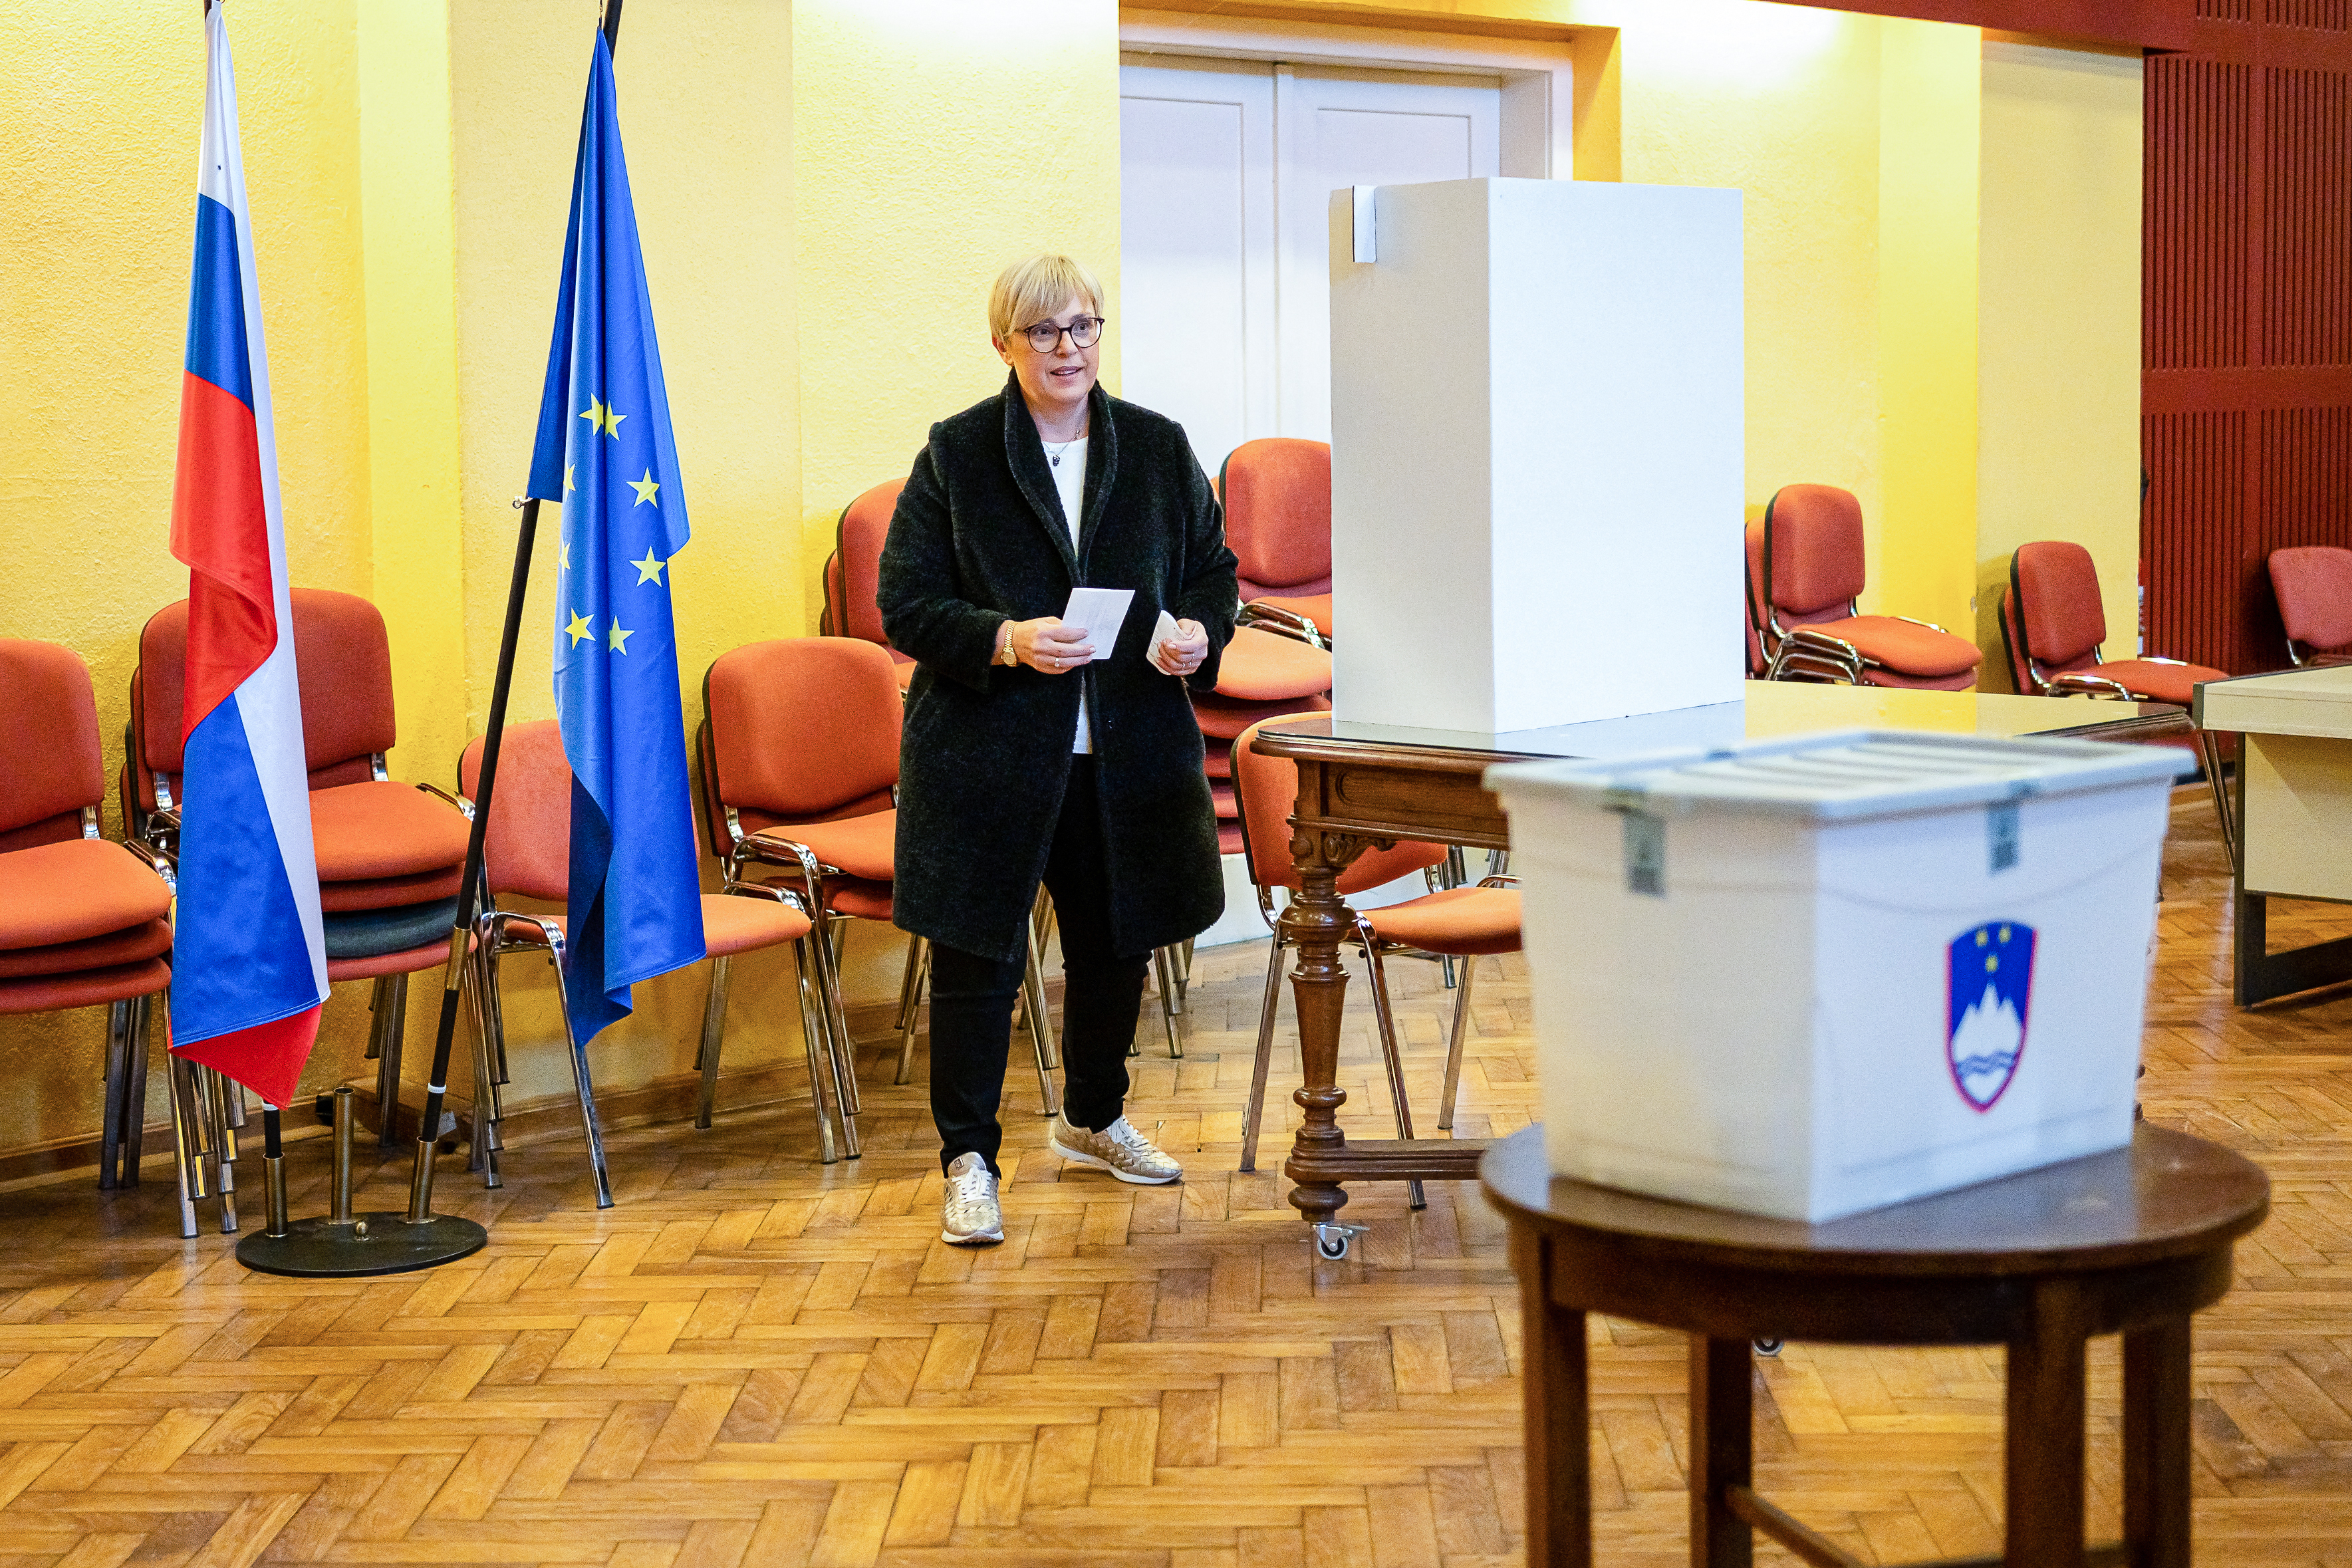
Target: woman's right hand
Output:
{"points": [[1045, 645]]}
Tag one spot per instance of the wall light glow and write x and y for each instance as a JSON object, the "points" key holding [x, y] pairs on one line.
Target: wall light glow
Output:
{"points": [[1733, 42], [996, 30]]}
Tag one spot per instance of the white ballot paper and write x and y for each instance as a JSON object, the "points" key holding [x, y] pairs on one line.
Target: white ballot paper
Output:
{"points": [[1100, 611], [1163, 631]]}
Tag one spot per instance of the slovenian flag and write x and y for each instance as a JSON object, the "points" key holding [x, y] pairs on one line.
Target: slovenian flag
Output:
{"points": [[248, 963]]}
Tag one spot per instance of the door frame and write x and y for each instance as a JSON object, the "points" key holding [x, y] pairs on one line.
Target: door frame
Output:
{"points": [[1539, 83]]}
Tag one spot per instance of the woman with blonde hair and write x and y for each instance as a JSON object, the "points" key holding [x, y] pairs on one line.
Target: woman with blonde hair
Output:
{"points": [[1031, 753]]}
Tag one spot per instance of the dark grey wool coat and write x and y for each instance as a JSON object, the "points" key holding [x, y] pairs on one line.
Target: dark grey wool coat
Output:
{"points": [[978, 539]]}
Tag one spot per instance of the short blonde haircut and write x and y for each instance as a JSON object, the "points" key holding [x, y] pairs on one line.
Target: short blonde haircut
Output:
{"points": [[1029, 291]]}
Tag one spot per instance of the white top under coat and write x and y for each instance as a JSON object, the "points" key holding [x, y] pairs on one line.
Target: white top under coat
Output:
{"points": [[1068, 461]]}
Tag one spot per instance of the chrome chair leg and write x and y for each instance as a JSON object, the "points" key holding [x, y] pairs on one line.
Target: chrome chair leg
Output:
{"points": [[1453, 1048], [387, 1082], [482, 1148], [135, 1086], [2209, 752], [714, 1024], [1041, 1028], [1163, 973], [1389, 1053], [1041, 926], [906, 1020], [840, 1054], [815, 1038], [1264, 1056], [187, 1165], [213, 1100], [493, 1006], [845, 1065], [919, 962], [118, 1070], [580, 1083], [395, 1041], [481, 980]]}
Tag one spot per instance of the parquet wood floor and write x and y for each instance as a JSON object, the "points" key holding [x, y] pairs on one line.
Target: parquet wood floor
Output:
{"points": [[755, 1360]]}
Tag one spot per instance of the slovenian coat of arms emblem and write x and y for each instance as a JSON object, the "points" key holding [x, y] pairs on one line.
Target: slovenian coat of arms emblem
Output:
{"points": [[1988, 990]]}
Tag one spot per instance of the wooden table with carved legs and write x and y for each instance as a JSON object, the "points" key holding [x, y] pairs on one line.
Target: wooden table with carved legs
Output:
{"points": [[1361, 785], [1351, 798], [2133, 1241]]}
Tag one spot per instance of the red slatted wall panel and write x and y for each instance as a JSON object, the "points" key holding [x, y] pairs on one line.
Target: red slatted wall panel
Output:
{"points": [[2248, 343]]}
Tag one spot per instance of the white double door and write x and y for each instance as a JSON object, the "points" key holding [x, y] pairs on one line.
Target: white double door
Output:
{"points": [[1227, 173]]}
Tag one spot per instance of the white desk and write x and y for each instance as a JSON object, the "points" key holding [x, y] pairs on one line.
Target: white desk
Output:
{"points": [[2290, 822]]}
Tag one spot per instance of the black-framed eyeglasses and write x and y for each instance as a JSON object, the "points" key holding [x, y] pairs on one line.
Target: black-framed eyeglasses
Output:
{"points": [[1046, 337]]}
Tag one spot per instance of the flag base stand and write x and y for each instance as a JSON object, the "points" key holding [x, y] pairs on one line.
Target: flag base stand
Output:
{"points": [[367, 1244], [343, 1245]]}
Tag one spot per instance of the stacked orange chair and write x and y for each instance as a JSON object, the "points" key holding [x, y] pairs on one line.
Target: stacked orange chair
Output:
{"points": [[380, 845], [853, 575], [390, 856], [1277, 496], [1805, 571], [1277, 501], [526, 853], [2052, 623], [1467, 923], [83, 921], [2314, 585]]}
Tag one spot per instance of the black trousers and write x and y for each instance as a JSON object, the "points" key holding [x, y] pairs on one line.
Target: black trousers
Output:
{"points": [[971, 998]]}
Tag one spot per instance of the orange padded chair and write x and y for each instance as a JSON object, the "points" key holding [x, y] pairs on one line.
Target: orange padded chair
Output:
{"points": [[799, 749], [1467, 923], [1804, 573], [852, 573], [380, 845], [526, 853], [2052, 623], [2314, 583], [82, 920], [1277, 496]]}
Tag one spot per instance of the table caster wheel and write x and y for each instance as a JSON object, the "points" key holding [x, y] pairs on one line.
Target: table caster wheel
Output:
{"points": [[1767, 1347], [1332, 1239]]}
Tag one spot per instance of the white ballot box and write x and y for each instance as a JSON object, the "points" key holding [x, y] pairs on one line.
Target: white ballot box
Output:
{"points": [[1810, 976]]}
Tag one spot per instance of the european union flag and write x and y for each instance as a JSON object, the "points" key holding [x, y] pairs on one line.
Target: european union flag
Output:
{"points": [[605, 453]]}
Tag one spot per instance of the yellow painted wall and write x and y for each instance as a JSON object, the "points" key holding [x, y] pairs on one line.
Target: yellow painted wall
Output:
{"points": [[1927, 217], [937, 140], [2059, 320], [409, 255]]}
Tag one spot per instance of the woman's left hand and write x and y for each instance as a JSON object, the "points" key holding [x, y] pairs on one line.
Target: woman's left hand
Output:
{"points": [[1182, 654]]}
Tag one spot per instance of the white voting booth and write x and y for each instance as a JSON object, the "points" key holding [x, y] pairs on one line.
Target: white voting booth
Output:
{"points": [[1537, 451]]}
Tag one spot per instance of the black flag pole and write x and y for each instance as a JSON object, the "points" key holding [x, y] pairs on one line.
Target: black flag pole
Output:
{"points": [[344, 1245]]}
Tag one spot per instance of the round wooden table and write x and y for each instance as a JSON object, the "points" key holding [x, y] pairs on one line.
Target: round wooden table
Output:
{"points": [[2133, 1241]]}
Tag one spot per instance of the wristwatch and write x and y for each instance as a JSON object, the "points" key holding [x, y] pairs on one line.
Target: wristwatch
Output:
{"points": [[1009, 659]]}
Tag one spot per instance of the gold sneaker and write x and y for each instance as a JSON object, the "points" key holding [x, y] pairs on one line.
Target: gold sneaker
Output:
{"points": [[1118, 1148], [971, 1215]]}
